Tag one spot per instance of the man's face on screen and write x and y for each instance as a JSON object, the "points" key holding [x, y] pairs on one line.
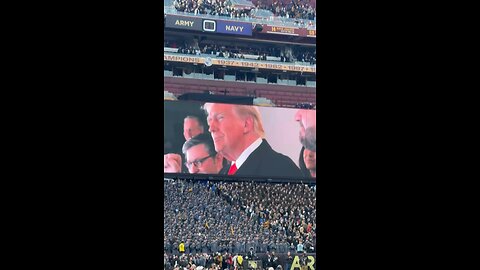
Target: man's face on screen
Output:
{"points": [[191, 128], [310, 159], [226, 128], [199, 161], [308, 129]]}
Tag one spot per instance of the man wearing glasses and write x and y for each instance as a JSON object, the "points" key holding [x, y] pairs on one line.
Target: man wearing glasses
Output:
{"points": [[192, 126], [200, 156]]}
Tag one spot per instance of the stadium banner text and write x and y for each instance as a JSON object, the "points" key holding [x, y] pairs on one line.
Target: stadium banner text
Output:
{"points": [[291, 31], [239, 63], [311, 33], [285, 140], [235, 28], [183, 22]]}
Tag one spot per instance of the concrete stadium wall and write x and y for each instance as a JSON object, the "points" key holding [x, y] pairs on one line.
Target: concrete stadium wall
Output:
{"points": [[281, 95]]}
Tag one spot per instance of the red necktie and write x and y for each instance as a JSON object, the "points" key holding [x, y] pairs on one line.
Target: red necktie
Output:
{"points": [[233, 169]]}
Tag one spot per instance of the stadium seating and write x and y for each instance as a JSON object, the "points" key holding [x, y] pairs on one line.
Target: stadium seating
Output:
{"points": [[231, 217]]}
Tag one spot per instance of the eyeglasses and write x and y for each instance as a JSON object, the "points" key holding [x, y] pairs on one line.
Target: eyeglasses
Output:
{"points": [[197, 162]]}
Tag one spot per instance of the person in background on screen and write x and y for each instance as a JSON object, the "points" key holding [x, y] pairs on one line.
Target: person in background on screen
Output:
{"points": [[192, 126], [308, 162], [308, 128], [201, 157], [238, 134]]}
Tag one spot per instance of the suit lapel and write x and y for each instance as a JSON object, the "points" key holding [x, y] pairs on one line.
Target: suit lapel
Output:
{"points": [[254, 161]]}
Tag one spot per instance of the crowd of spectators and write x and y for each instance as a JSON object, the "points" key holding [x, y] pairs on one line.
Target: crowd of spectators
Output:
{"points": [[211, 7], [187, 261], [295, 9], [238, 217], [286, 210], [216, 261], [220, 261], [225, 51], [298, 9], [306, 56]]}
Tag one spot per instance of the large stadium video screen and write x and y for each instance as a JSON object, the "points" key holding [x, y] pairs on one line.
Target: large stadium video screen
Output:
{"points": [[239, 141]]}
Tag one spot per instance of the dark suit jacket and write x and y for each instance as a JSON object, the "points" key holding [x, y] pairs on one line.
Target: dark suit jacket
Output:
{"points": [[265, 162]]}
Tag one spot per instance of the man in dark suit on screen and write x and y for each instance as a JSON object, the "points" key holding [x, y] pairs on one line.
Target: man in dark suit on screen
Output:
{"points": [[238, 135]]}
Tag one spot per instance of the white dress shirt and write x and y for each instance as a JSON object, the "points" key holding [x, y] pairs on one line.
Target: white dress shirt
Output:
{"points": [[246, 153]]}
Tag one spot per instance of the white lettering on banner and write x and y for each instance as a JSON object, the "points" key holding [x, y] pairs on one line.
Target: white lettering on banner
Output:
{"points": [[185, 59], [184, 23], [233, 63], [234, 28]]}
